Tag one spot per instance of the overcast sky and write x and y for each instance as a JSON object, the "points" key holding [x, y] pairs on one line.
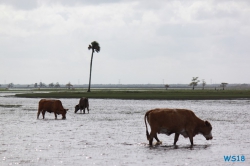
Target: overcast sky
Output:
{"points": [[141, 41]]}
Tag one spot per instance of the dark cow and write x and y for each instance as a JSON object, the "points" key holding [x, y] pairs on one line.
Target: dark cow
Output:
{"points": [[178, 121], [51, 106], [83, 103]]}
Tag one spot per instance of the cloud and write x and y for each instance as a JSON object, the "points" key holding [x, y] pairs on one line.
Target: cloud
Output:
{"points": [[141, 41], [33, 4], [22, 5]]}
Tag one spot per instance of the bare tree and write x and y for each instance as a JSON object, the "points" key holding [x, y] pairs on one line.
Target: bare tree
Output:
{"points": [[194, 82], [203, 84], [223, 85], [57, 85], [166, 86], [51, 85], [42, 85], [69, 85], [10, 85]]}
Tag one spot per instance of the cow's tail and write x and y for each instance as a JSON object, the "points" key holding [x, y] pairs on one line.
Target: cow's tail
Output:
{"points": [[145, 117]]}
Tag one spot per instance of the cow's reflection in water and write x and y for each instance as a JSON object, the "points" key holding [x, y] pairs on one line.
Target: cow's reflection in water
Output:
{"points": [[179, 147]]}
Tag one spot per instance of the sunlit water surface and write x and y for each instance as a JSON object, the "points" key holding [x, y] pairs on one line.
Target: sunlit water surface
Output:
{"points": [[113, 133]]}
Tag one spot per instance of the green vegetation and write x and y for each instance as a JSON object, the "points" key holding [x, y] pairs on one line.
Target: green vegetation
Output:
{"points": [[10, 106], [145, 94], [3, 89]]}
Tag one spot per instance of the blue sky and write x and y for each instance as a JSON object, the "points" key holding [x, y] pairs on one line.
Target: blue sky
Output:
{"points": [[141, 41]]}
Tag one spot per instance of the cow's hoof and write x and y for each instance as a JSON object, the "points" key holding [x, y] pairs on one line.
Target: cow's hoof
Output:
{"points": [[158, 143]]}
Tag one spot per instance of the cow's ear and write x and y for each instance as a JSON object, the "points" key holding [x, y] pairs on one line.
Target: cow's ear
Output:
{"points": [[207, 123], [66, 109]]}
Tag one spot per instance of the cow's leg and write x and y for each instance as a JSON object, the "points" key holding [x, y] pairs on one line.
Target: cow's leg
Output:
{"points": [[88, 109], [151, 142], [43, 112], [152, 135], [158, 141], [38, 113], [190, 135], [84, 110], [55, 115], [176, 137]]}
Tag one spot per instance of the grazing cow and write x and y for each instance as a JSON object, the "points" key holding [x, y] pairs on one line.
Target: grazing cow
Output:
{"points": [[178, 121], [83, 103], [51, 106]]}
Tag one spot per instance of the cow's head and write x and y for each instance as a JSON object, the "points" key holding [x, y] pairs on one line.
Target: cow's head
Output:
{"points": [[64, 112], [206, 130], [77, 108]]}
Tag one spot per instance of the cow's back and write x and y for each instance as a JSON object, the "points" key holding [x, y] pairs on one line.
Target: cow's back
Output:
{"points": [[83, 103], [43, 103], [58, 105], [174, 119], [50, 105]]}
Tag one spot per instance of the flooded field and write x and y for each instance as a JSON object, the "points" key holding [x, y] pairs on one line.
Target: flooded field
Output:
{"points": [[113, 133]]}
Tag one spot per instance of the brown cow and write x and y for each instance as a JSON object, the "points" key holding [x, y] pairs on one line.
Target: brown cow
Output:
{"points": [[83, 103], [178, 121], [51, 106]]}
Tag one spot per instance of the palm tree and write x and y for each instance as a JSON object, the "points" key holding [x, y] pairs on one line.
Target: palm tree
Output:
{"points": [[95, 48]]}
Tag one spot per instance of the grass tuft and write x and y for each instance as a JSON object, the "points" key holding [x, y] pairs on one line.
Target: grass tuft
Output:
{"points": [[10, 106]]}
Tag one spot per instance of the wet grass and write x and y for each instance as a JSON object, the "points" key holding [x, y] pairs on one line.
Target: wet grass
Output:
{"points": [[10, 106], [146, 94]]}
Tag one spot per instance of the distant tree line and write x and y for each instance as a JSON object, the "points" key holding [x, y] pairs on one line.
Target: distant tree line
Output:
{"points": [[52, 85], [43, 85], [194, 82], [10, 85]]}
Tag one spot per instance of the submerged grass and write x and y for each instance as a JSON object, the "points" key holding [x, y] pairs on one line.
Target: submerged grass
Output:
{"points": [[10, 106], [146, 94]]}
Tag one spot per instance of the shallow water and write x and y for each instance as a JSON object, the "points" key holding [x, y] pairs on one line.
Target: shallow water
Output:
{"points": [[114, 134]]}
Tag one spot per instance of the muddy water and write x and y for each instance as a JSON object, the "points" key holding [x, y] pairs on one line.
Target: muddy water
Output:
{"points": [[114, 134]]}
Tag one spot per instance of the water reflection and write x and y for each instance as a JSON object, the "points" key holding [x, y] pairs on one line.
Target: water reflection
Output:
{"points": [[113, 133], [179, 147]]}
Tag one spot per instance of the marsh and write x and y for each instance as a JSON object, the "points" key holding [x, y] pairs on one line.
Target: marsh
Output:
{"points": [[114, 133]]}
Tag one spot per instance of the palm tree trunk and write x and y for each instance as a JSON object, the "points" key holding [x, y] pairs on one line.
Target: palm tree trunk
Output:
{"points": [[90, 70]]}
